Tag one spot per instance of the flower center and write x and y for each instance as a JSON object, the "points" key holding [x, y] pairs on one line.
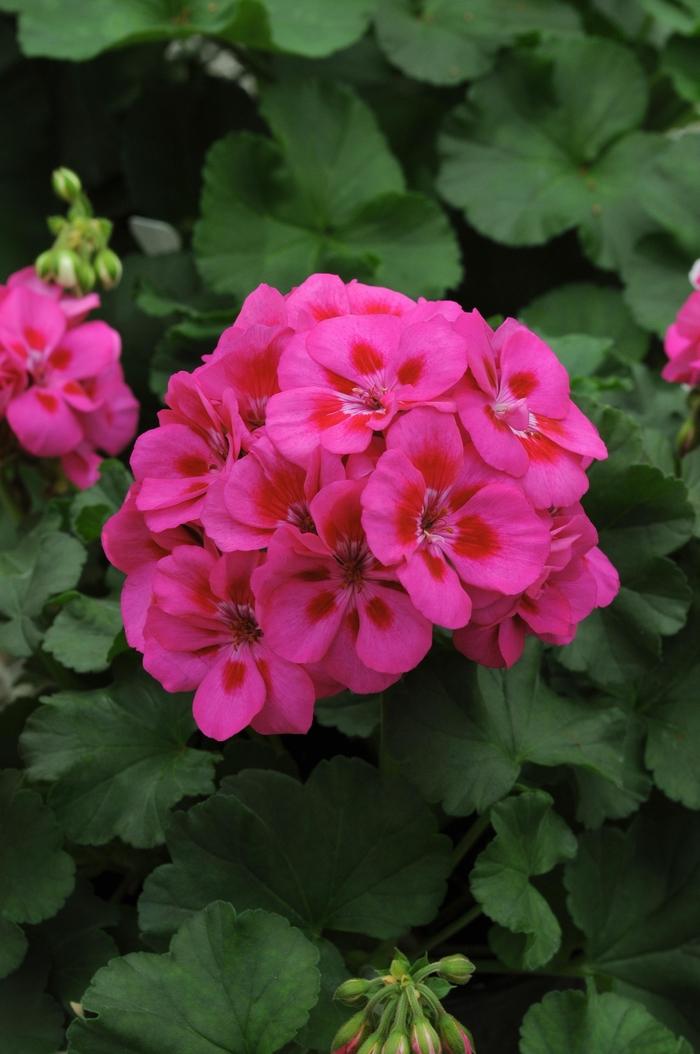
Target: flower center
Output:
{"points": [[239, 618], [434, 523], [354, 559], [299, 515]]}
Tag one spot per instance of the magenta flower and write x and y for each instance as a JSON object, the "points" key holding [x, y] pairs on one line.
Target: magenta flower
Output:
{"points": [[326, 599], [431, 510], [75, 308], [201, 633], [350, 376], [514, 403], [682, 344]]}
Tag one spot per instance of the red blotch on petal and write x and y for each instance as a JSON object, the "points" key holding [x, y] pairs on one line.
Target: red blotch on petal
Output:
{"points": [[233, 675], [476, 539], [321, 606], [191, 465], [59, 358], [327, 412], [73, 388], [435, 565], [411, 371], [48, 401], [380, 613], [34, 338], [539, 448], [365, 358], [522, 384]]}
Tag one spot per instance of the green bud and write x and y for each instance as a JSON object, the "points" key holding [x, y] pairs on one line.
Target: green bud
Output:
{"points": [[44, 265], [348, 1037], [397, 1043], [354, 990], [424, 1038], [453, 1036], [66, 263], [86, 275], [372, 1045], [56, 223], [400, 965], [108, 267], [66, 184], [456, 969]]}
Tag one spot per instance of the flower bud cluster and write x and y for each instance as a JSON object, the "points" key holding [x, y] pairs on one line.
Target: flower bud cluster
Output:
{"points": [[80, 256], [402, 1013]]}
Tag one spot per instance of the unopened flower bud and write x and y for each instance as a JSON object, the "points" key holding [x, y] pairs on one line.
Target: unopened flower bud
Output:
{"points": [[108, 268], [397, 1043], [372, 1045], [453, 1036], [86, 276], [694, 275], [456, 969], [424, 1038], [352, 991], [66, 263], [44, 265], [349, 1036], [400, 965], [66, 184]]}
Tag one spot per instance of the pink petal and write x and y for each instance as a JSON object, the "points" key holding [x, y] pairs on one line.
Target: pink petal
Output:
{"points": [[493, 438], [392, 504], [573, 432], [393, 636], [343, 665], [435, 589], [289, 703], [430, 359], [82, 466], [358, 347], [172, 451], [321, 296], [181, 584], [607, 578], [300, 618], [480, 353], [376, 300], [42, 421], [530, 370], [432, 443], [30, 322], [84, 351], [337, 511], [230, 695], [555, 477]]}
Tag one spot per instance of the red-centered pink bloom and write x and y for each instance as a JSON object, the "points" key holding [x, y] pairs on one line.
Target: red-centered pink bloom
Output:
{"points": [[57, 362], [514, 403], [201, 633], [75, 308], [260, 492], [682, 344], [134, 550], [430, 510], [111, 425], [177, 462], [325, 598], [13, 378], [324, 296], [351, 375], [578, 578]]}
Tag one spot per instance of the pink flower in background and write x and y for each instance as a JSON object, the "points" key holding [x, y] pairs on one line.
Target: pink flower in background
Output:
{"points": [[201, 633], [61, 387], [347, 469], [682, 341]]}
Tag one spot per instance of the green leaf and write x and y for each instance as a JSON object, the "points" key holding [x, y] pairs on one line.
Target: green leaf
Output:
{"points": [[680, 15], [679, 60], [13, 946], [354, 715], [117, 759], [83, 633], [266, 840], [448, 41], [69, 30], [277, 211], [690, 473], [315, 27], [91, 508], [530, 840], [656, 281], [530, 156], [599, 799], [31, 1022], [466, 749], [669, 188], [230, 983], [634, 894], [36, 875], [578, 1022], [585, 308], [328, 1015], [581, 354], [45, 562]]}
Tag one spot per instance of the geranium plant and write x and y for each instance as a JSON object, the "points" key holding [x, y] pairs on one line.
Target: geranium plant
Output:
{"points": [[349, 566]]}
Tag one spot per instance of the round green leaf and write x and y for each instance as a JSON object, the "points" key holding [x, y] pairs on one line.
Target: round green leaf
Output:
{"points": [[579, 1022], [230, 984], [13, 946], [36, 875], [656, 281], [266, 840], [117, 758], [669, 190]]}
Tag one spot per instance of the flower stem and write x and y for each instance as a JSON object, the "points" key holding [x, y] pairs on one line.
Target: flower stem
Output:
{"points": [[470, 838], [456, 926]]}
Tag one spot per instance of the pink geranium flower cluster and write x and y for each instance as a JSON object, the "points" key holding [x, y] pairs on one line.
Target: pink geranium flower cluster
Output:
{"points": [[682, 343], [62, 389], [346, 470]]}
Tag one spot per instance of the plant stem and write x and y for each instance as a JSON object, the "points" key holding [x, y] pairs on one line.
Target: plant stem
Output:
{"points": [[470, 838], [454, 927]]}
